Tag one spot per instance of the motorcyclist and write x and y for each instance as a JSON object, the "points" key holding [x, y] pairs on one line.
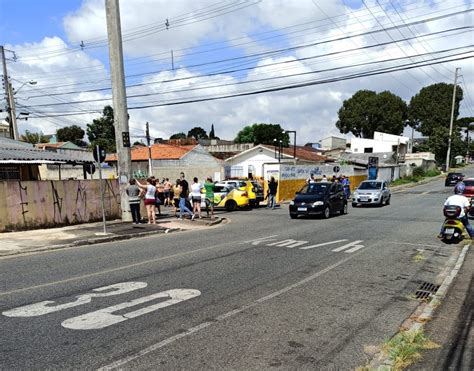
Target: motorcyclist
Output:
{"points": [[463, 202]]}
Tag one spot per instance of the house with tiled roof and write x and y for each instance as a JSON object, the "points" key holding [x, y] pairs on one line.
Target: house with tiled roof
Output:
{"points": [[168, 160]]}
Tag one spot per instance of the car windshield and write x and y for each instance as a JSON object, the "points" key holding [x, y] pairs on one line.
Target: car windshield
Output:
{"points": [[455, 174], [315, 188], [370, 185], [469, 183]]}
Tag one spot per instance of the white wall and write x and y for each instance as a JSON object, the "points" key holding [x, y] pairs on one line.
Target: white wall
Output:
{"points": [[253, 158]]}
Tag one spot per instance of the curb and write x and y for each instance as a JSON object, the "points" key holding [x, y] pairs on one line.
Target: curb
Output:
{"points": [[410, 185], [111, 238], [423, 312]]}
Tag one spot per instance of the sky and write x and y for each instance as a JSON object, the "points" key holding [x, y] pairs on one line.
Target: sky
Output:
{"points": [[231, 63]]}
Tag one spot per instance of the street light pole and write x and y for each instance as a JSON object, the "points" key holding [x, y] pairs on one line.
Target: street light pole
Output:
{"points": [[11, 94], [452, 119]]}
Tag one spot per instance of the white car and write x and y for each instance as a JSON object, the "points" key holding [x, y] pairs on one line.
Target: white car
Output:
{"points": [[371, 192]]}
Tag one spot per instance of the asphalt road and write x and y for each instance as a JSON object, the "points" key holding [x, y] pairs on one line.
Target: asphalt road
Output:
{"points": [[261, 292]]}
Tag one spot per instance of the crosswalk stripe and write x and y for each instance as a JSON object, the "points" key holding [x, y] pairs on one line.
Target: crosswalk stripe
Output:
{"points": [[322, 244], [354, 249], [346, 246]]}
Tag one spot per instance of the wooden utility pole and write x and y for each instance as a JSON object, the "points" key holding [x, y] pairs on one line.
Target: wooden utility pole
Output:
{"points": [[119, 97], [448, 154]]}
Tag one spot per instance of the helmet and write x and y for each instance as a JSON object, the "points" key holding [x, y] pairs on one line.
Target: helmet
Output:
{"points": [[459, 189]]}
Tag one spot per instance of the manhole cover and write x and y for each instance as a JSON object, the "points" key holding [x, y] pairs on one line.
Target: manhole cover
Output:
{"points": [[425, 290]]}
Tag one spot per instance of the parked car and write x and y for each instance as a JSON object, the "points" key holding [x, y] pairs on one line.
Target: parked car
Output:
{"points": [[230, 198], [375, 192], [453, 179], [469, 190], [260, 197], [321, 198], [244, 185]]}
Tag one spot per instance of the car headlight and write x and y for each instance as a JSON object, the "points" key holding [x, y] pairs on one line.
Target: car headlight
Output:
{"points": [[292, 203], [318, 203], [355, 194]]}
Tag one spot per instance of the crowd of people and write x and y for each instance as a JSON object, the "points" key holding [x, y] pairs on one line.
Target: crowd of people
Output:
{"points": [[180, 195], [344, 180]]}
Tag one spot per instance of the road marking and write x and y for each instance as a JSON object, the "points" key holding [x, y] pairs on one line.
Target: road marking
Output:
{"points": [[354, 249], [288, 243], [425, 193], [260, 238], [264, 239], [346, 246], [322, 244], [121, 362], [112, 270], [104, 317], [46, 307]]}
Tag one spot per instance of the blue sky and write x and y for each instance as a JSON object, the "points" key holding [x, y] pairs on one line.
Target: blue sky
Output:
{"points": [[51, 24]]}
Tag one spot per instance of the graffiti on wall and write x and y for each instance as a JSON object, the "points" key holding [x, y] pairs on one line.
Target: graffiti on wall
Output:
{"points": [[305, 171]]}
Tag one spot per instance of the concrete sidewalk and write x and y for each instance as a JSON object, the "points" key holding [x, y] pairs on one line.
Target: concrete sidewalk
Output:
{"points": [[13, 243]]}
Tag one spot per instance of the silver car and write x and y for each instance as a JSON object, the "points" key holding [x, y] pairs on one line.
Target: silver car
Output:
{"points": [[371, 192]]}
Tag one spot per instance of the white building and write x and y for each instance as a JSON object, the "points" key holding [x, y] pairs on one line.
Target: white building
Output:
{"points": [[332, 142], [382, 142]]}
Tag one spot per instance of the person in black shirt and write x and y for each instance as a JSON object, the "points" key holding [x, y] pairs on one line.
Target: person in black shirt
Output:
{"points": [[272, 191], [182, 197]]}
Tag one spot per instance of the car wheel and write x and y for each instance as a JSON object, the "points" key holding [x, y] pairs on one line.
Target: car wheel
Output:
{"points": [[327, 212], [344, 209], [388, 201], [231, 205], [293, 216], [354, 204]]}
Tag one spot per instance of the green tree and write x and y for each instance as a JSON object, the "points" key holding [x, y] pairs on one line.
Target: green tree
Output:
{"points": [[197, 133], [73, 134], [33, 138], [178, 136], [366, 112], [212, 134], [431, 107], [437, 143], [102, 132], [263, 134]]}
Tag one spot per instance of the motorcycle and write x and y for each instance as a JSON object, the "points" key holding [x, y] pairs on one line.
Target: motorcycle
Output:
{"points": [[453, 229]]}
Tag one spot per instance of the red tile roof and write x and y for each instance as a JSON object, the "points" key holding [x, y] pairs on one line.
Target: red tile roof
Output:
{"points": [[158, 152], [50, 145]]}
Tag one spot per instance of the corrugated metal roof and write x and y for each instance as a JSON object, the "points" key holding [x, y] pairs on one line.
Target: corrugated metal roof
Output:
{"points": [[27, 155]]}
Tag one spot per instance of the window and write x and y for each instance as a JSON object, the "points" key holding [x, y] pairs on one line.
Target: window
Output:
{"points": [[368, 150]]}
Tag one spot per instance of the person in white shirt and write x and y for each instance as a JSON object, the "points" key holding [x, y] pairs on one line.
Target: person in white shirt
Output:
{"points": [[463, 202], [150, 199], [311, 179], [196, 197]]}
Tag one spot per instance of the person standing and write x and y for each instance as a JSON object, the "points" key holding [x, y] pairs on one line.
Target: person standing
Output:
{"points": [[176, 196], [196, 197], [150, 199], [324, 179], [272, 192], [133, 193], [347, 186], [209, 186], [182, 197], [311, 179], [167, 191]]}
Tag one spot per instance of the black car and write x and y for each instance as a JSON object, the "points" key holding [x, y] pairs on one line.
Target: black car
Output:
{"points": [[453, 179], [321, 198]]}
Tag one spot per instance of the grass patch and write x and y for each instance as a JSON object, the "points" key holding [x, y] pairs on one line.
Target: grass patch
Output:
{"points": [[405, 348], [406, 180]]}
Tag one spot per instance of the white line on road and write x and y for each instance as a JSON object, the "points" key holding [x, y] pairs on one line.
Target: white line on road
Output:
{"points": [[322, 244], [105, 317], [354, 249], [288, 243], [347, 246], [192, 330], [260, 238]]}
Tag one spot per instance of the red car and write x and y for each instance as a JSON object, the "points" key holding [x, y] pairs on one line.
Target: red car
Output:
{"points": [[469, 190]]}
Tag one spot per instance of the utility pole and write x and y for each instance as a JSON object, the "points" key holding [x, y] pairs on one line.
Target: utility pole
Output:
{"points": [[148, 143], [452, 118], [8, 94], [119, 97]]}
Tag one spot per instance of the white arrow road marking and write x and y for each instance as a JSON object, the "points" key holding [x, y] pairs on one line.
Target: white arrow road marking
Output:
{"points": [[288, 243], [354, 249], [105, 317], [260, 238], [351, 244], [322, 244], [45, 307], [265, 239]]}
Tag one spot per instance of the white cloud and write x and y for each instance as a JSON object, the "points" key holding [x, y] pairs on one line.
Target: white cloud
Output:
{"points": [[312, 111]]}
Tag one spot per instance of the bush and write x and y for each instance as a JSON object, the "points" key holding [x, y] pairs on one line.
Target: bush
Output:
{"points": [[418, 172], [432, 172]]}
